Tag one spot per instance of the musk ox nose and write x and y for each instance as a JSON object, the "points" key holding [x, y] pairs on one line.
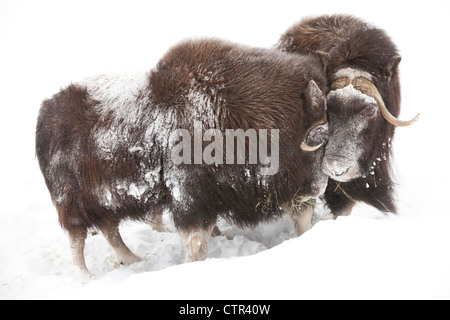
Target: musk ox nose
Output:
{"points": [[334, 166]]}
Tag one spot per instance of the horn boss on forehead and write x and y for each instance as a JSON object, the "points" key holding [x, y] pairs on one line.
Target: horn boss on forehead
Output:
{"points": [[367, 87]]}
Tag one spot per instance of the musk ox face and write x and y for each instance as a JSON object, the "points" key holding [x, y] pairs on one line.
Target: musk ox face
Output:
{"points": [[353, 123]]}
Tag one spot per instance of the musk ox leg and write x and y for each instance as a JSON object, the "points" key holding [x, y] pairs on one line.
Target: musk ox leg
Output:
{"points": [[155, 220], [338, 202], [302, 220], [345, 210], [216, 232], [123, 254], [196, 242], [77, 242]]}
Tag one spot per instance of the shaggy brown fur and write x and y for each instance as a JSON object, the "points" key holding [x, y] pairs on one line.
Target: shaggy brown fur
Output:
{"points": [[106, 158], [348, 42]]}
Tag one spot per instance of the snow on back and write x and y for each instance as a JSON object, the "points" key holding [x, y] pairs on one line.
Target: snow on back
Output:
{"points": [[204, 96], [116, 92], [120, 98]]}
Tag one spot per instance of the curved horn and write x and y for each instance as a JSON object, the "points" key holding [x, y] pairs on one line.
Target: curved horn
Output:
{"points": [[367, 87], [305, 147]]}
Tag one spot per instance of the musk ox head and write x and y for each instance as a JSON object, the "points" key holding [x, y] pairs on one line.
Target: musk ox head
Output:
{"points": [[357, 118]]}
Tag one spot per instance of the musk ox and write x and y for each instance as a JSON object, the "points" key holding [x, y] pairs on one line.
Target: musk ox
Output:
{"points": [[362, 105], [130, 146]]}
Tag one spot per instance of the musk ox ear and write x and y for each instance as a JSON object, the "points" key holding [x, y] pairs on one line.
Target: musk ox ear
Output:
{"points": [[324, 58], [392, 66], [316, 99]]}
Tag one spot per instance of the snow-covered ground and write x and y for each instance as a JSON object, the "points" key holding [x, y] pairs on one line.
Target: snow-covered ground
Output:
{"points": [[46, 44]]}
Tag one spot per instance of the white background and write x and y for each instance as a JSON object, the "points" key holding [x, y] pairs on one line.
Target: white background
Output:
{"points": [[45, 45]]}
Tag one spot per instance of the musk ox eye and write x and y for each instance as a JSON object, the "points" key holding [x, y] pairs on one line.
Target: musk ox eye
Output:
{"points": [[369, 112]]}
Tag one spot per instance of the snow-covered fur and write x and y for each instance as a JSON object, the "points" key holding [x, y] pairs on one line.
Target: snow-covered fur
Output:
{"points": [[358, 153], [104, 144]]}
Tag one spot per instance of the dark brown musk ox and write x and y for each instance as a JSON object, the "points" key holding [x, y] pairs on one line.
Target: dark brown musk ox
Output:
{"points": [[109, 146], [363, 105]]}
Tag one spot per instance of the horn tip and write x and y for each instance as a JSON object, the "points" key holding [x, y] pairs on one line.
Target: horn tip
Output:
{"points": [[412, 121]]}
